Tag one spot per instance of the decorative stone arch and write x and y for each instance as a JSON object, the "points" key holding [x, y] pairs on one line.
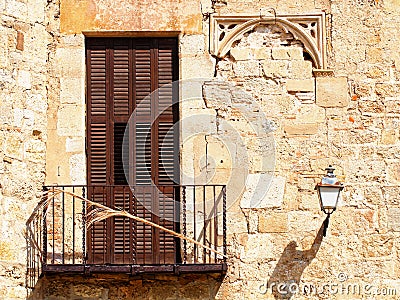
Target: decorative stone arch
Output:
{"points": [[309, 29]]}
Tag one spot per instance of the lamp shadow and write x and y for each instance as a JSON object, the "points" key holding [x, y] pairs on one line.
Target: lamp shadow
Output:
{"points": [[285, 279]]}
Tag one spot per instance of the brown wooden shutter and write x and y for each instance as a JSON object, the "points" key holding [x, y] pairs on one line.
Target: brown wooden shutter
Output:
{"points": [[98, 167], [167, 172], [121, 63], [122, 73]]}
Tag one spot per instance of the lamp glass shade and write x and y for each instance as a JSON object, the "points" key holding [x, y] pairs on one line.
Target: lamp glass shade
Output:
{"points": [[329, 195]]}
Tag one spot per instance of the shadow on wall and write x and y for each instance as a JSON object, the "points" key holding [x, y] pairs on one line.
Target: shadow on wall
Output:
{"points": [[291, 266]]}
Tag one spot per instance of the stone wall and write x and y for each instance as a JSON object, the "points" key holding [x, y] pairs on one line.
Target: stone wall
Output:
{"points": [[270, 126], [126, 287], [24, 75]]}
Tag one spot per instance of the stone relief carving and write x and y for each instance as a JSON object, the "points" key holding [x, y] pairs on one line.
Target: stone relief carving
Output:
{"points": [[225, 31]]}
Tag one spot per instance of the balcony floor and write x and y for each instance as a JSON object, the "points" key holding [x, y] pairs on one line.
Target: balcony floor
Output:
{"points": [[134, 270]]}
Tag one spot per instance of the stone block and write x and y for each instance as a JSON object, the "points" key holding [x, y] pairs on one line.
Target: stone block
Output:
{"points": [[221, 154], [192, 44], [191, 93], [14, 147], [6, 251], [388, 137], [309, 202], [250, 53], [300, 85], [261, 53], [287, 53], [70, 121], [72, 91], [263, 191], [247, 69], [262, 162], [71, 62], [374, 55], [236, 223], [393, 170], [16, 9], [35, 11], [310, 113], [3, 52], [295, 53], [394, 218], [306, 97], [275, 68], [77, 168], [37, 53], [301, 69], [225, 66], [375, 72], [24, 79], [386, 89], [18, 116], [89, 291], [72, 40], [301, 129], [290, 197], [304, 221], [393, 107], [37, 102], [259, 247], [377, 245], [196, 66], [199, 121], [273, 105], [75, 145], [332, 92], [241, 53], [280, 53], [217, 95], [273, 222], [35, 146]]}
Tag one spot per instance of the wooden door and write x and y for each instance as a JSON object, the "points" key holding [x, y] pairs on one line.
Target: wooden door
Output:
{"points": [[123, 78]]}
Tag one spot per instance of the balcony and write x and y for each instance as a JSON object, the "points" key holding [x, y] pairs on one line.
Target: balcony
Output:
{"points": [[123, 229]]}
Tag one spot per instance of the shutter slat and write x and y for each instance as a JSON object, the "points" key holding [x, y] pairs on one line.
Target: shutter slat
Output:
{"points": [[121, 79], [97, 76], [143, 78], [97, 149]]}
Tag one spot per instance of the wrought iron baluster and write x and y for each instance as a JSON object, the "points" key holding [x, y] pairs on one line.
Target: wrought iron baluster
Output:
{"points": [[184, 223], [215, 224], [204, 225], [44, 262], [84, 256], [63, 225], [53, 233], [73, 226], [195, 250], [224, 219]]}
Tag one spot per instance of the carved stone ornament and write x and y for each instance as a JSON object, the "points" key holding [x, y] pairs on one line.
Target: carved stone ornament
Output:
{"points": [[309, 29]]}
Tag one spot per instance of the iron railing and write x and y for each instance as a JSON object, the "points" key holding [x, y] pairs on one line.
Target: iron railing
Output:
{"points": [[67, 233]]}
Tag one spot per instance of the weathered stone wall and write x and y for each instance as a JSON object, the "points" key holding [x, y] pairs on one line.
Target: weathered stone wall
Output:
{"points": [[270, 121], [90, 15], [353, 124], [24, 74], [125, 287]]}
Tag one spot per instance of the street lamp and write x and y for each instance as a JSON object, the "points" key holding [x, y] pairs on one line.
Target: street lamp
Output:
{"points": [[328, 193]]}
